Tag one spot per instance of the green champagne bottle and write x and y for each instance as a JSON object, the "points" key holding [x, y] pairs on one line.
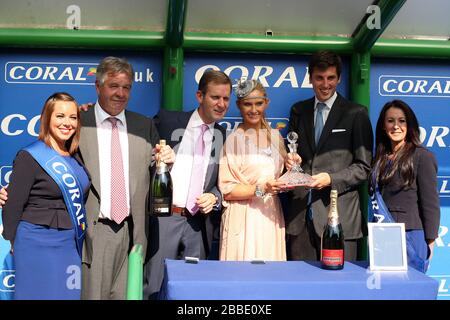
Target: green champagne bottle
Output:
{"points": [[161, 189]]}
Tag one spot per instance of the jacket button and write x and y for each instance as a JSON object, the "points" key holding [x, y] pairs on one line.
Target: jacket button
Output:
{"points": [[94, 223]]}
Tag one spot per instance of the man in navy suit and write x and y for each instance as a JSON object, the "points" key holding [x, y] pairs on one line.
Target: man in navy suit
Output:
{"points": [[335, 146], [191, 231]]}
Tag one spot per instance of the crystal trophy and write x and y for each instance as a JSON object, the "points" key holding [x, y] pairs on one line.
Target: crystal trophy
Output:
{"points": [[295, 176]]}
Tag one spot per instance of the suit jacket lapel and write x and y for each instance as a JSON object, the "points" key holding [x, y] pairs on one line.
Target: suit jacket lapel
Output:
{"points": [[133, 162], [333, 118], [308, 123], [89, 147], [183, 121]]}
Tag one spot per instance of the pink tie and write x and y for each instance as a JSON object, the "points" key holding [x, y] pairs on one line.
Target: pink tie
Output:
{"points": [[119, 210], [197, 175]]}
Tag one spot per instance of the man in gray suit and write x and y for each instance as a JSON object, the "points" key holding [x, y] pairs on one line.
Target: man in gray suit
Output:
{"points": [[116, 146], [335, 145]]}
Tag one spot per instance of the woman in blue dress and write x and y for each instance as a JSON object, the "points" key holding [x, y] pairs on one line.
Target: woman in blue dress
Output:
{"points": [[44, 217]]}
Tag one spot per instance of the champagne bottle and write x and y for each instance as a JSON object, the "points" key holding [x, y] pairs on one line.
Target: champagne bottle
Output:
{"points": [[161, 189], [332, 247]]}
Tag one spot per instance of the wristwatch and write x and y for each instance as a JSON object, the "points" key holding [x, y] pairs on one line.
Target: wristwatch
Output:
{"points": [[259, 192]]}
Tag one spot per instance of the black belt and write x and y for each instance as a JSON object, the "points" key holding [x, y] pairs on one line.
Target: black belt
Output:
{"points": [[181, 211], [112, 222]]}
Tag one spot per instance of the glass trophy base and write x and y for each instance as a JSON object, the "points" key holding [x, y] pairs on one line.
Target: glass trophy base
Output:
{"points": [[295, 178]]}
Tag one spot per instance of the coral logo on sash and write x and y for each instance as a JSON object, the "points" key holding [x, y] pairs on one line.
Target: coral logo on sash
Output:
{"points": [[5, 172], [7, 280]]}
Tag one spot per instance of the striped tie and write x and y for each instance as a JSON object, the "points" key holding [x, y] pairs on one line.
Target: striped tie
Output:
{"points": [[119, 208]]}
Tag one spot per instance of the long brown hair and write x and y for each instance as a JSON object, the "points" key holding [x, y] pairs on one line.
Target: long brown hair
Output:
{"points": [[46, 114], [403, 161]]}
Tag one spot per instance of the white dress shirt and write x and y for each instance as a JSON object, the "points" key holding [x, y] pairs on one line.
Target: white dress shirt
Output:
{"points": [[182, 168], [327, 109], [104, 127]]}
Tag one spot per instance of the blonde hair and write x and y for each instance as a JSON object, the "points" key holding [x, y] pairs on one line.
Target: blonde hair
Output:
{"points": [[264, 123]]}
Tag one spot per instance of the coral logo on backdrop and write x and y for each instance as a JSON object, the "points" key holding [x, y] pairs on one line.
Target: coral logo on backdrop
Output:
{"points": [[265, 74], [50, 73], [414, 86], [60, 73], [7, 280], [442, 240], [435, 136], [444, 186], [15, 124], [444, 285], [231, 123]]}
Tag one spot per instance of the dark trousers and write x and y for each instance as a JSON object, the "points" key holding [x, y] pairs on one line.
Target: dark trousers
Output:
{"points": [[306, 245], [174, 237]]}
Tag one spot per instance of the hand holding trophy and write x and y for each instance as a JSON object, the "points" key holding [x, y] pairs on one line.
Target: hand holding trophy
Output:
{"points": [[295, 176]]}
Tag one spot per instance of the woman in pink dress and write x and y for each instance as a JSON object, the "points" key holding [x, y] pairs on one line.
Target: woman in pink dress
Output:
{"points": [[252, 161]]}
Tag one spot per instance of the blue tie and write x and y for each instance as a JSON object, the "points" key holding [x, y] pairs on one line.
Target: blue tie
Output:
{"points": [[318, 126]]}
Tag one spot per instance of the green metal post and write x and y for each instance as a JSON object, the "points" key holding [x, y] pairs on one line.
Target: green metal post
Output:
{"points": [[360, 78], [174, 56], [364, 38], [175, 22], [173, 79], [402, 48], [360, 93], [143, 40], [81, 39], [220, 42], [135, 273]]}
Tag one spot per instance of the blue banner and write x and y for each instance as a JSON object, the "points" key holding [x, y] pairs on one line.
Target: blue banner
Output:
{"points": [[285, 78]]}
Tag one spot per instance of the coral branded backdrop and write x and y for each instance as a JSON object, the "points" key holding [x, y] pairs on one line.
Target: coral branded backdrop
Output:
{"points": [[425, 87], [31, 77], [28, 78]]}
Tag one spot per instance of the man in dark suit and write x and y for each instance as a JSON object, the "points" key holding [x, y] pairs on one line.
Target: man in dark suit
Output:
{"points": [[193, 228], [335, 145]]}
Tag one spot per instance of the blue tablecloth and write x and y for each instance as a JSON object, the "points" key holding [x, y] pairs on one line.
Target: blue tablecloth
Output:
{"points": [[298, 280]]}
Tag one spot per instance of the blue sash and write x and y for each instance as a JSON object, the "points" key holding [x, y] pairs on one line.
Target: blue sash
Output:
{"points": [[62, 173], [380, 213]]}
